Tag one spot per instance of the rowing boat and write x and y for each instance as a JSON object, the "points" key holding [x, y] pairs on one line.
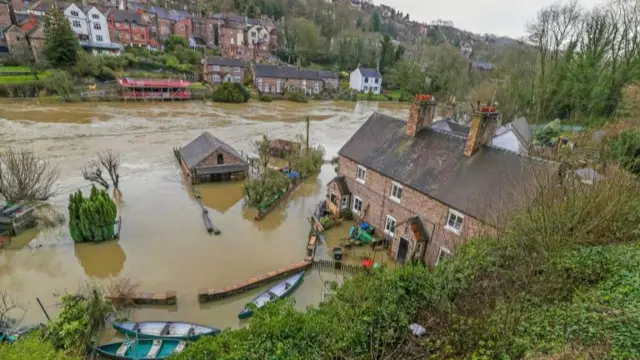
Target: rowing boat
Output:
{"points": [[279, 291], [150, 349], [164, 330]]}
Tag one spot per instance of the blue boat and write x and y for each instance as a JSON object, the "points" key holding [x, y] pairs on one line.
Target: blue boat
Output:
{"points": [[281, 290], [141, 349], [164, 330]]}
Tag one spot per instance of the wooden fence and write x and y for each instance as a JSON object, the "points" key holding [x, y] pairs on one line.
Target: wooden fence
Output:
{"points": [[337, 265]]}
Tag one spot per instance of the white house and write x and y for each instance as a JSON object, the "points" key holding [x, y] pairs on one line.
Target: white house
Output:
{"points": [[257, 34], [365, 80], [99, 40], [78, 21]]}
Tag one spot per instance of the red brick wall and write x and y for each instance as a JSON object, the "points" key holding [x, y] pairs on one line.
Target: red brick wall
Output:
{"points": [[376, 193], [183, 28], [164, 28]]}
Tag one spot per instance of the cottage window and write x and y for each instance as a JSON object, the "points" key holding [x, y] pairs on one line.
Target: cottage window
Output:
{"points": [[236, 79], [454, 221], [316, 90], [220, 159], [366, 80], [334, 199], [375, 89], [95, 16], [377, 81], [76, 23], [260, 80], [357, 205], [236, 69], [396, 192], [216, 68], [443, 254], [99, 38], [366, 88], [74, 13], [361, 173], [345, 202], [266, 87], [181, 27], [216, 78], [390, 225], [97, 26]]}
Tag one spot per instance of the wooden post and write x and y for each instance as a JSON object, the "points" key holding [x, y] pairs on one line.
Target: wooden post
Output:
{"points": [[308, 125], [43, 310]]}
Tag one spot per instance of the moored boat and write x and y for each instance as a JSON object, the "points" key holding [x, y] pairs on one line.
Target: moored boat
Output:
{"points": [[150, 349], [164, 330], [281, 290]]}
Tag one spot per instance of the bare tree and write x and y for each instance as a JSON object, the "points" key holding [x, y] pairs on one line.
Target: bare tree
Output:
{"points": [[11, 312], [26, 176], [108, 161], [92, 172]]}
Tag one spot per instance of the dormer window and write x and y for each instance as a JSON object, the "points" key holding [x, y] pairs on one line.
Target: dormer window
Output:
{"points": [[74, 13]]}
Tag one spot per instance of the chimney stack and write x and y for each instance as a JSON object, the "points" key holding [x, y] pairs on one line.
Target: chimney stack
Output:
{"points": [[483, 126], [423, 110]]}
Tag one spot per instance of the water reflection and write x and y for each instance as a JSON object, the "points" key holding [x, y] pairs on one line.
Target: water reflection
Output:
{"points": [[101, 260], [221, 196]]}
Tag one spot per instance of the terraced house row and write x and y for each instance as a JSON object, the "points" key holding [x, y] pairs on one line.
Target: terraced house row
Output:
{"points": [[111, 25]]}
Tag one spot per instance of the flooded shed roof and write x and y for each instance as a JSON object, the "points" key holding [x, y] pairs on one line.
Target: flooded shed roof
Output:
{"points": [[203, 146]]}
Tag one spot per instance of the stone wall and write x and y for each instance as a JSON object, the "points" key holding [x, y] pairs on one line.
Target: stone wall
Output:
{"points": [[375, 193]]}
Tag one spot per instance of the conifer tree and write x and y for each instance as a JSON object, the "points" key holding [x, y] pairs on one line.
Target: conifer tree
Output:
{"points": [[61, 43]]}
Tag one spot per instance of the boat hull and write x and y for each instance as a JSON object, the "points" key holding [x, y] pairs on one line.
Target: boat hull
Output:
{"points": [[139, 350], [153, 330], [280, 290]]}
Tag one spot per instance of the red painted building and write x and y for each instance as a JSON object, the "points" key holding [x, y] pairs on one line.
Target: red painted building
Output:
{"points": [[128, 27], [154, 89], [183, 27]]}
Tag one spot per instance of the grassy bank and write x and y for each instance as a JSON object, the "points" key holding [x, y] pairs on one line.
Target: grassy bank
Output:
{"points": [[21, 79], [389, 96], [560, 282]]}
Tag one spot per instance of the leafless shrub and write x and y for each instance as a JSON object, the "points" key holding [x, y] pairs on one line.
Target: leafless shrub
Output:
{"points": [[26, 176], [48, 217], [11, 312], [121, 291], [108, 161]]}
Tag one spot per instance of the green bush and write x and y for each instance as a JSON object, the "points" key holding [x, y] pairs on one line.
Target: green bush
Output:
{"points": [[231, 93], [266, 98], [346, 214], [92, 219], [33, 347], [24, 89], [263, 191], [296, 96], [625, 150], [60, 83], [326, 222]]}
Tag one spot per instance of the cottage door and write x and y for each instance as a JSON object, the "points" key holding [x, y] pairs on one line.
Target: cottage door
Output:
{"points": [[403, 248]]}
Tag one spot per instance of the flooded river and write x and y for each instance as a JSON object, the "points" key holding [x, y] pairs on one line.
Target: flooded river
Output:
{"points": [[163, 244]]}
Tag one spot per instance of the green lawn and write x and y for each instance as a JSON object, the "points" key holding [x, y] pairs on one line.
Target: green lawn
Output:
{"points": [[14, 69], [198, 85], [395, 96], [18, 79]]}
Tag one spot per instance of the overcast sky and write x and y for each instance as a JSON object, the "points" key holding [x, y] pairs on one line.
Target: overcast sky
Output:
{"points": [[500, 17]]}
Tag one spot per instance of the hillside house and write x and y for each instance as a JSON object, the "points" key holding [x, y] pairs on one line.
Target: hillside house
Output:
{"points": [[276, 79], [427, 190], [219, 70], [330, 79], [25, 39], [127, 27], [208, 158], [366, 80]]}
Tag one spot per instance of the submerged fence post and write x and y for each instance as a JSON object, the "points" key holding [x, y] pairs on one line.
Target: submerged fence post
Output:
{"points": [[43, 310]]}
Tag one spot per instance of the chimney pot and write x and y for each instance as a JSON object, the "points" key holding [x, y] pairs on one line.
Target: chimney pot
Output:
{"points": [[483, 127], [421, 115]]}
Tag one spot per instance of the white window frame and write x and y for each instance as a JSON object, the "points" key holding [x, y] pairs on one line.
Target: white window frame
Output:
{"points": [[443, 250], [366, 88], [236, 79], [216, 78], [353, 206], [456, 214], [236, 69], [95, 16], [76, 23], [97, 26], [344, 202], [99, 38], [364, 174], [387, 221], [260, 80], [75, 13], [215, 68], [394, 197]]}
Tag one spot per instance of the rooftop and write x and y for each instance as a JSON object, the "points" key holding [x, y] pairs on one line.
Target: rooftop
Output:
{"points": [[483, 186], [369, 72], [272, 71], [220, 61], [203, 146]]}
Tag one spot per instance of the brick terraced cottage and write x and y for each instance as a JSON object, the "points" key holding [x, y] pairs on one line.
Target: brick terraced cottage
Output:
{"points": [[208, 158], [276, 79], [427, 190], [220, 70]]}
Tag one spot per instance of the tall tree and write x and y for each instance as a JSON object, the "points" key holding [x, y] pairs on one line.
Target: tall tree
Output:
{"points": [[376, 22], [61, 43]]}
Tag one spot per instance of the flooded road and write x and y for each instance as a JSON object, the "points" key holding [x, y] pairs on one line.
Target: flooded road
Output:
{"points": [[163, 243]]}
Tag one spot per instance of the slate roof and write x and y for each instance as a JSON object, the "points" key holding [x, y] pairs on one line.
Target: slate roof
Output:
{"points": [[272, 71], [371, 73], [130, 16], [327, 74], [484, 186], [20, 17], [202, 146], [220, 61], [342, 185]]}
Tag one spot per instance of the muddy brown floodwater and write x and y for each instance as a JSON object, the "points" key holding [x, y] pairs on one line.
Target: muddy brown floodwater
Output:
{"points": [[163, 244]]}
